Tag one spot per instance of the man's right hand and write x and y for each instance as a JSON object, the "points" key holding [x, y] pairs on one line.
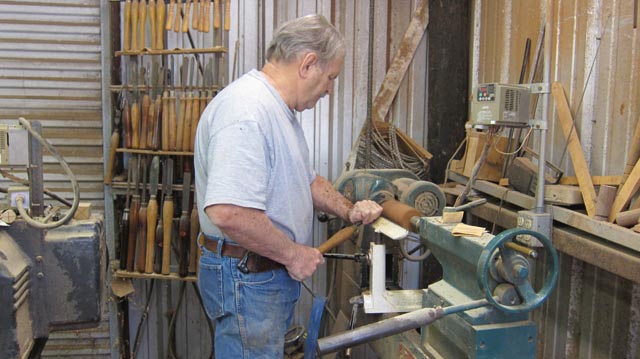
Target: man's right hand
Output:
{"points": [[304, 262]]}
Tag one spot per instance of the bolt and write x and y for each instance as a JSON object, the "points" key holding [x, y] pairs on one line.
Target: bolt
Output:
{"points": [[39, 258], [520, 271], [40, 275]]}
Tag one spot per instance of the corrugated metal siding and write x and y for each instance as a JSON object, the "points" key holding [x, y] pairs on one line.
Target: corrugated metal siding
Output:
{"points": [[593, 313], [50, 69]]}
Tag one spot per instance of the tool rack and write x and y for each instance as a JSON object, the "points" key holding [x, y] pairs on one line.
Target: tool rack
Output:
{"points": [[172, 58]]}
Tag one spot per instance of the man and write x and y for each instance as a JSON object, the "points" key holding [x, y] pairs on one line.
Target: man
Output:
{"points": [[256, 190]]}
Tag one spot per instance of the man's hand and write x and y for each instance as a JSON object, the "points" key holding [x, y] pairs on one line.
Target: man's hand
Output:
{"points": [[365, 211], [304, 263]]}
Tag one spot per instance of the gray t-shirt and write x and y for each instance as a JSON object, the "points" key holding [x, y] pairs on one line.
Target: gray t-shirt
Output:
{"points": [[250, 151]]}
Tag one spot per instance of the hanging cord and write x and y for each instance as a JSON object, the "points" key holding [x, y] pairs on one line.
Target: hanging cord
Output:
{"points": [[74, 183], [446, 173], [476, 168], [145, 314], [172, 322], [195, 288]]}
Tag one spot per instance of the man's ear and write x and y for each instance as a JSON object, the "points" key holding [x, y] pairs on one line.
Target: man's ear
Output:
{"points": [[309, 60]]}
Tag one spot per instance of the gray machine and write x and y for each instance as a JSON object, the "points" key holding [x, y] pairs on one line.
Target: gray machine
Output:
{"points": [[50, 272], [481, 306]]}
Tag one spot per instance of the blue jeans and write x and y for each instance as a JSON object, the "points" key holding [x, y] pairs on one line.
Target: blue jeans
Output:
{"points": [[252, 312]]}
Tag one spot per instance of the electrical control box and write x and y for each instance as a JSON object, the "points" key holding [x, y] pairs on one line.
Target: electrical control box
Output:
{"points": [[538, 222], [501, 105], [14, 145]]}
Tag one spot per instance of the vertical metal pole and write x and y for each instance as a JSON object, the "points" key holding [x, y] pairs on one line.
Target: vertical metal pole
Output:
{"points": [[36, 176], [545, 107]]}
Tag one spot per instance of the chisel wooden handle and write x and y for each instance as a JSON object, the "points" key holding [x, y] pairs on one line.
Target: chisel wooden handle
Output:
{"points": [[157, 257], [135, 124], [185, 19], [167, 221], [134, 25], [183, 111], [216, 14], [176, 23], [172, 9], [186, 125], [194, 229], [195, 18], [126, 123], [150, 125], [165, 121], [144, 127], [142, 23], [115, 139], [183, 246], [141, 239], [207, 16], [152, 218], [155, 137], [133, 229], [126, 43], [227, 15], [195, 116], [172, 123], [153, 15], [159, 29], [341, 236], [201, 13]]}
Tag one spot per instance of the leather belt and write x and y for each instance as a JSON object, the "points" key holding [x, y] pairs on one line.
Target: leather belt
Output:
{"points": [[255, 263]]}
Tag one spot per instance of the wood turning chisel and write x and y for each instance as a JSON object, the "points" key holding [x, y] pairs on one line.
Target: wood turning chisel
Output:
{"points": [[152, 213], [167, 216], [145, 104], [141, 238], [153, 15], [183, 245], [134, 25], [135, 112], [133, 216], [126, 43], [124, 224], [194, 230], [160, 26], [142, 23]]}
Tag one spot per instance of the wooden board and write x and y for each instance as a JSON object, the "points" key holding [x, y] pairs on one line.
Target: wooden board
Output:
{"points": [[628, 189], [597, 180], [562, 194], [575, 149]]}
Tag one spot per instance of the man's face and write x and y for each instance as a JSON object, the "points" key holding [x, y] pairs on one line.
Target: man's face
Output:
{"points": [[319, 83]]}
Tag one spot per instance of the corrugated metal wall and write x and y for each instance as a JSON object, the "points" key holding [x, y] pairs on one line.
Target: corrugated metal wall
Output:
{"points": [[50, 71], [596, 57]]}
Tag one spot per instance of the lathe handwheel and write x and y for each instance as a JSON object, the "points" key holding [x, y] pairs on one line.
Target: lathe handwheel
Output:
{"points": [[530, 299]]}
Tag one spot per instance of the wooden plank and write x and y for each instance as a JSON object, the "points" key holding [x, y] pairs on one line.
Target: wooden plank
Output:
{"points": [[562, 194], [634, 152], [597, 180], [628, 189], [402, 59], [575, 149]]}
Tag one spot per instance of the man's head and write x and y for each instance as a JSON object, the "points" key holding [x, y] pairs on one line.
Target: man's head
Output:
{"points": [[311, 33]]}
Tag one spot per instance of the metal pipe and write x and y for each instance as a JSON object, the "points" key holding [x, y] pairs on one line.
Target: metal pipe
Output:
{"points": [[391, 326], [542, 154]]}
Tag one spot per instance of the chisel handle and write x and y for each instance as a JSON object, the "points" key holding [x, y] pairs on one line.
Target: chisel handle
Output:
{"points": [[216, 14], [134, 25], [194, 229], [152, 218], [153, 15], [141, 239], [202, 14], [115, 139], [160, 26], [133, 229], [195, 17], [185, 110], [185, 19], [126, 122], [144, 127], [165, 121], [167, 220], [126, 43], [151, 124], [155, 136], [341, 236], [227, 15], [172, 123], [183, 247], [207, 16], [176, 23], [135, 124], [142, 23], [157, 259], [172, 9], [195, 116], [186, 140]]}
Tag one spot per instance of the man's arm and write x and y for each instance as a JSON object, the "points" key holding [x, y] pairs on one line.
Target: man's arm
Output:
{"points": [[253, 230], [329, 200]]}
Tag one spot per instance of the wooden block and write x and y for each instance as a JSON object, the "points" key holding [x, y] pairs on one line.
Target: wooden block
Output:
{"points": [[83, 211], [597, 180], [562, 194], [604, 201], [575, 149], [628, 189], [628, 218]]}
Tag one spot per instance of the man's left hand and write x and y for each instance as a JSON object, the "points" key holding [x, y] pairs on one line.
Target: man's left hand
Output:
{"points": [[365, 212]]}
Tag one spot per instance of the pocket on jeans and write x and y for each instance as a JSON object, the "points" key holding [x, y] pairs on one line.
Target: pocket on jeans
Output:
{"points": [[211, 289]]}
